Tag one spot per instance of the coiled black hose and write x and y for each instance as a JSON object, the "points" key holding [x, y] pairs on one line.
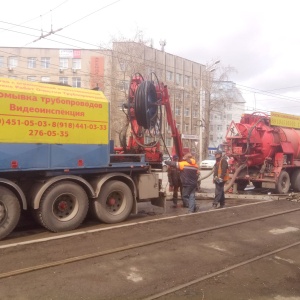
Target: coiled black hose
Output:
{"points": [[145, 105]]}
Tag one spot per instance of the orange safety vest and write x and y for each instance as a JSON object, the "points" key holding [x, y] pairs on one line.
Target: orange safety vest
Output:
{"points": [[184, 163], [226, 177]]}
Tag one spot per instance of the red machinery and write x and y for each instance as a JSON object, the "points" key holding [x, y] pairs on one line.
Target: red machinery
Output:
{"points": [[145, 99], [265, 154]]}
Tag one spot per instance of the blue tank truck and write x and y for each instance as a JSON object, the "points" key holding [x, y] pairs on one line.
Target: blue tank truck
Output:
{"points": [[56, 159]]}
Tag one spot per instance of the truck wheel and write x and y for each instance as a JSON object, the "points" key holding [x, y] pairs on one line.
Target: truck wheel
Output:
{"points": [[10, 212], [63, 206], [283, 183], [295, 181], [114, 203]]}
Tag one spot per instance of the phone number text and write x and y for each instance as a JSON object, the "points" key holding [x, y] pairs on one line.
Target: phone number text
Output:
{"points": [[52, 124]]}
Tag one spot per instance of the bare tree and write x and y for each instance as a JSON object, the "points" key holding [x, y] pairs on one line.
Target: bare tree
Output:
{"points": [[215, 99], [127, 58]]}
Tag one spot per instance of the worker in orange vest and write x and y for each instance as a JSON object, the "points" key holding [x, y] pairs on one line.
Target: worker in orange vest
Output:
{"points": [[221, 175], [189, 176]]}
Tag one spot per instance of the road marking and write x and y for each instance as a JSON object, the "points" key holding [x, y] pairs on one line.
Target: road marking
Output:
{"points": [[215, 246], [284, 230], [284, 259]]}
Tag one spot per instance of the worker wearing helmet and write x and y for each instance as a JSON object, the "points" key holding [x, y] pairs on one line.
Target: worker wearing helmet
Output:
{"points": [[174, 181], [189, 177], [220, 177]]}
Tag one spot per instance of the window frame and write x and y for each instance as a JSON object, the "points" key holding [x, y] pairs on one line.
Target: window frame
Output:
{"points": [[75, 81], [31, 62], [45, 62], [12, 62], [76, 63], [63, 63]]}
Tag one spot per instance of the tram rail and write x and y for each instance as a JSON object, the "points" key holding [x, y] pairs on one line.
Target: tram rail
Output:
{"points": [[152, 242]]}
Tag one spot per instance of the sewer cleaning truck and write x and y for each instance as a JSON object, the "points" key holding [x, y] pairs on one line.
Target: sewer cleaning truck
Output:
{"points": [[264, 149], [57, 161]]}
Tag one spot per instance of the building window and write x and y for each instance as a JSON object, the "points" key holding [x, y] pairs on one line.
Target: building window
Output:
{"points": [[76, 64], [63, 80], [12, 62], [31, 62], [186, 127], [187, 95], [177, 111], [76, 82], [211, 138], [169, 75], [168, 129], [178, 78], [63, 63], [31, 78], [186, 111], [195, 82], [1, 61], [195, 113], [187, 80], [122, 66], [45, 79], [124, 85], [168, 142], [219, 127], [45, 62]]}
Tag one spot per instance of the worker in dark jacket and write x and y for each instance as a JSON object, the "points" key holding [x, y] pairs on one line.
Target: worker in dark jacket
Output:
{"points": [[174, 181], [221, 175], [189, 177]]}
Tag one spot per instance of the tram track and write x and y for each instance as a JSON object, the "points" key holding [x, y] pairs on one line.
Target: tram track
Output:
{"points": [[80, 258], [217, 273], [103, 227]]}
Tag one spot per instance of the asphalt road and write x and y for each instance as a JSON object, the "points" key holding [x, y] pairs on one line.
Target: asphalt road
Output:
{"points": [[212, 261], [206, 265]]}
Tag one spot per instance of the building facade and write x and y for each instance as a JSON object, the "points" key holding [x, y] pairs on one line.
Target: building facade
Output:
{"points": [[111, 71], [231, 105]]}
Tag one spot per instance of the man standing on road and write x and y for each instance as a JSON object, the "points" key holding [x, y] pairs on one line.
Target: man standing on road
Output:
{"points": [[189, 177], [220, 177], [174, 181]]}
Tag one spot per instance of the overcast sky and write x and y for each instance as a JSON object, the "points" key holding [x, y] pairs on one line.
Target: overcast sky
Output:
{"points": [[259, 38]]}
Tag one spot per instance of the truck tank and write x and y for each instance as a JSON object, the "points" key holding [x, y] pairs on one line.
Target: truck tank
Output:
{"points": [[266, 151]]}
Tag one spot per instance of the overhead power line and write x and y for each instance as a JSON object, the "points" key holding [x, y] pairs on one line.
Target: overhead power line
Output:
{"points": [[32, 19], [245, 88]]}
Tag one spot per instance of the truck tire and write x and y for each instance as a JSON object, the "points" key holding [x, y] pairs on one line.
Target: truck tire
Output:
{"points": [[283, 183], [114, 203], [295, 181], [10, 212], [63, 206]]}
